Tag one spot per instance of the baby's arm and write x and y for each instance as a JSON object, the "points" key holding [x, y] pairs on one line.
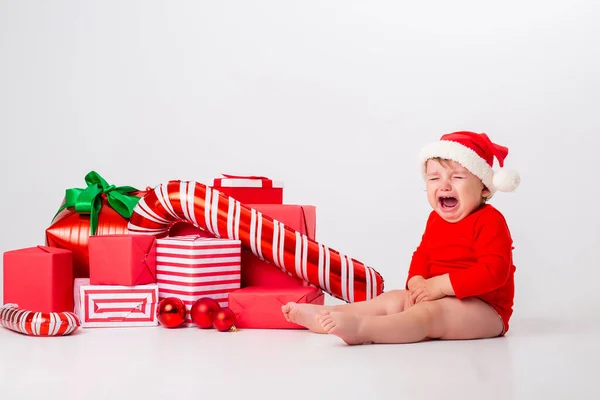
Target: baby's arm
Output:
{"points": [[493, 247], [418, 270]]}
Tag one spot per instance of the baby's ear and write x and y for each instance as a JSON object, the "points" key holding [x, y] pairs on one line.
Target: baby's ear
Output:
{"points": [[485, 192]]}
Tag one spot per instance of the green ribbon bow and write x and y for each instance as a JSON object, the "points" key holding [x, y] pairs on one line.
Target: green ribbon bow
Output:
{"points": [[89, 200]]}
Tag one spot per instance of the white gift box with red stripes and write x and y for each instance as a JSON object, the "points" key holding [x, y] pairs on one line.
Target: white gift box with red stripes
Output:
{"points": [[112, 306], [193, 267]]}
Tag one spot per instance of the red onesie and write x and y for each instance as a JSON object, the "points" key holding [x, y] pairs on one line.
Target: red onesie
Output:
{"points": [[476, 252]]}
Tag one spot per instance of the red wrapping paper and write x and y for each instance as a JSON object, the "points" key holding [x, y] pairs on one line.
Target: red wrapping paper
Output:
{"points": [[260, 307], [39, 279], [128, 260]]}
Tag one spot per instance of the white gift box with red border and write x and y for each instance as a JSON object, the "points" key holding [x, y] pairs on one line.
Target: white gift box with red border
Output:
{"points": [[115, 306], [193, 267]]}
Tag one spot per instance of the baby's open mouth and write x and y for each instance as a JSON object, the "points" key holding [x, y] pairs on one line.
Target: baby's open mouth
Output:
{"points": [[448, 202]]}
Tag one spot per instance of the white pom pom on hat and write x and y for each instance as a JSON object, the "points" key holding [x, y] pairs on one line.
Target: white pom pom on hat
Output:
{"points": [[475, 152], [506, 180]]}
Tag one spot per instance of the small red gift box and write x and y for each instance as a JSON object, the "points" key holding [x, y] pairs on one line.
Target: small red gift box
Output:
{"points": [[256, 272], [127, 260], [115, 306], [192, 267], [39, 279], [250, 189], [260, 307]]}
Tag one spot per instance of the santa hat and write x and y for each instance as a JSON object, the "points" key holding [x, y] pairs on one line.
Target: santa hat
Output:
{"points": [[475, 152]]}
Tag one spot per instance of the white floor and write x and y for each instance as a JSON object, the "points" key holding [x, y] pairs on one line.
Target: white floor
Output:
{"points": [[537, 360]]}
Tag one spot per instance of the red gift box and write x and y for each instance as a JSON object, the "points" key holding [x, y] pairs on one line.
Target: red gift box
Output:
{"points": [[250, 189], [260, 307], [113, 306], [39, 279], [256, 272], [127, 260], [192, 267]]}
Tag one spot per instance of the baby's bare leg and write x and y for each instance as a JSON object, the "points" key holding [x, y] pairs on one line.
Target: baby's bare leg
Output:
{"points": [[307, 314], [391, 302], [447, 318]]}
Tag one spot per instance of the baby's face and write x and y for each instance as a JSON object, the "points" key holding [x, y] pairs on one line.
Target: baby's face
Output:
{"points": [[453, 191]]}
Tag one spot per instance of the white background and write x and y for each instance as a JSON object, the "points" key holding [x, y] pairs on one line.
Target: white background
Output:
{"points": [[335, 98]]}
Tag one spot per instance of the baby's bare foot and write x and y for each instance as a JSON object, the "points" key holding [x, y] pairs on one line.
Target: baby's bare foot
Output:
{"points": [[306, 315], [286, 310], [344, 325]]}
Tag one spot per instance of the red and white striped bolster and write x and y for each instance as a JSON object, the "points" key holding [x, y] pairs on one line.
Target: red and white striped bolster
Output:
{"points": [[270, 240], [35, 323]]}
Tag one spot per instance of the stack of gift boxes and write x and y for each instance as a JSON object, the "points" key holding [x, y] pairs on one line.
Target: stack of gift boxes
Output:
{"points": [[266, 288], [128, 275]]}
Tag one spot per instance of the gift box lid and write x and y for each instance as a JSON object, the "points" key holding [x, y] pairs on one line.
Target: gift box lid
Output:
{"points": [[196, 240], [246, 181], [300, 294], [37, 250]]}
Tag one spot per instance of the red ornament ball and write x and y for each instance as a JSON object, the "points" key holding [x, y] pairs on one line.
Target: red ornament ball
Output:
{"points": [[202, 312], [224, 320], [171, 312]]}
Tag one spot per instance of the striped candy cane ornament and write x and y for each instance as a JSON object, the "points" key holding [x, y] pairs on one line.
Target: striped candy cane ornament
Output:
{"points": [[270, 240], [34, 323]]}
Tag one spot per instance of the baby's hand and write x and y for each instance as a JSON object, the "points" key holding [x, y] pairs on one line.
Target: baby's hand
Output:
{"points": [[427, 290], [415, 281]]}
